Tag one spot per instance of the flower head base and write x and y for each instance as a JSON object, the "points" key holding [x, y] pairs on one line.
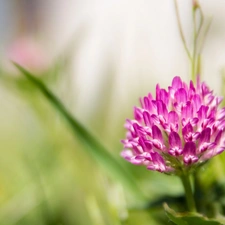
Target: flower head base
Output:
{"points": [[180, 129]]}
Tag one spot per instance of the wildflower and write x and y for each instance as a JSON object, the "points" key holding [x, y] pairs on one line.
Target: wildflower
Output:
{"points": [[180, 129], [27, 53], [195, 4]]}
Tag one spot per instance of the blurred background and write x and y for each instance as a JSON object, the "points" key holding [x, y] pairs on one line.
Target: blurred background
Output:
{"points": [[98, 57]]}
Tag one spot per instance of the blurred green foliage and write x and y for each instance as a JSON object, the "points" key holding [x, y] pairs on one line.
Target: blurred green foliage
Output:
{"points": [[48, 177]]}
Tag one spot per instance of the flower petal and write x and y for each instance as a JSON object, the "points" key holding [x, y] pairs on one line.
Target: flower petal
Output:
{"points": [[138, 114], [187, 111], [156, 133], [177, 83], [187, 132], [147, 118], [161, 94], [175, 144], [173, 117], [202, 112], [196, 101], [174, 140], [158, 162], [145, 144], [161, 109], [205, 135], [189, 153], [181, 95]]}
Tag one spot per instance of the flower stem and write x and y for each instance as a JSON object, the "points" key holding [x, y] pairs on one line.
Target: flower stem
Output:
{"points": [[195, 35], [181, 31], [188, 192]]}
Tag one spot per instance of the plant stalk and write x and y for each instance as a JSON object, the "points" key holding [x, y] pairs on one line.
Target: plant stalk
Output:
{"points": [[188, 192]]}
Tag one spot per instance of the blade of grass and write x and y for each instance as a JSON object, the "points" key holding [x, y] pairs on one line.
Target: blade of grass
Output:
{"points": [[93, 146]]}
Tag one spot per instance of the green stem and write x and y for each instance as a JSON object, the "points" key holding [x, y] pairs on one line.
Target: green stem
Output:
{"points": [[188, 192], [181, 31], [194, 47]]}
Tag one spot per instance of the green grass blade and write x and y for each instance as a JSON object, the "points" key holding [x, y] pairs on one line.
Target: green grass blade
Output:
{"points": [[92, 145]]}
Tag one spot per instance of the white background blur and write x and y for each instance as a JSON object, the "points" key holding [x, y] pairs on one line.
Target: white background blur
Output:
{"points": [[138, 38]]}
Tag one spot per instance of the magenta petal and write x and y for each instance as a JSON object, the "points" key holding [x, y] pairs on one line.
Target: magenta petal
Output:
{"points": [[158, 163], [221, 125], [141, 142], [161, 109], [156, 133], [195, 136], [194, 121], [205, 89], [196, 101], [187, 129], [144, 156], [148, 145], [192, 88], [155, 119], [189, 153], [181, 95], [147, 118], [146, 103], [145, 144], [137, 149], [206, 146], [220, 150], [202, 113], [157, 94], [173, 117], [175, 144], [174, 140], [177, 83], [137, 114], [218, 137], [136, 129], [127, 154], [187, 132], [127, 143], [150, 97], [162, 95], [187, 110], [221, 114], [205, 135], [136, 161], [220, 142]]}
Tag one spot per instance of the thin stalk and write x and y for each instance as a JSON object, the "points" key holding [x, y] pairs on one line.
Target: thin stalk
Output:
{"points": [[181, 31], [201, 21], [199, 65], [188, 192], [205, 34], [193, 64]]}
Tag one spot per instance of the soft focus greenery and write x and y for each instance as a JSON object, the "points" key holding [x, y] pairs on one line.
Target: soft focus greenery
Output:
{"points": [[48, 176]]}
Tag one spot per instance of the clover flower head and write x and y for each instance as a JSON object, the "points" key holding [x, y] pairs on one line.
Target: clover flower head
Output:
{"points": [[181, 128]]}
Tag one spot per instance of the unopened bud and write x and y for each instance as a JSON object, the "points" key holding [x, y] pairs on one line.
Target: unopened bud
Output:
{"points": [[195, 4]]}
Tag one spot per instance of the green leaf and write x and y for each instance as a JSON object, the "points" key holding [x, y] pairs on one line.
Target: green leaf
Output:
{"points": [[171, 214], [189, 218], [92, 145]]}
